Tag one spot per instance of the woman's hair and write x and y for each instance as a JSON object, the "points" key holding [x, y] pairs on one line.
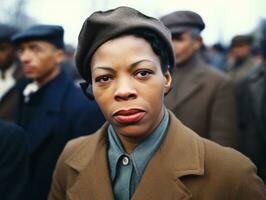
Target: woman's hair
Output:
{"points": [[157, 46]]}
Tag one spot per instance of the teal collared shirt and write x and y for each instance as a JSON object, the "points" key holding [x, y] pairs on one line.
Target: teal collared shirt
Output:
{"points": [[126, 170]]}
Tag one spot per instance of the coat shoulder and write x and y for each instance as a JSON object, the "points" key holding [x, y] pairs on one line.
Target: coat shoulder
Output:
{"points": [[233, 169], [78, 151], [10, 133], [217, 153], [216, 74]]}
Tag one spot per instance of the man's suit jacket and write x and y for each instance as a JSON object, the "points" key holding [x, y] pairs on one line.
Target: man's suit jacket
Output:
{"points": [[13, 162], [204, 100], [62, 114], [185, 166], [9, 101]]}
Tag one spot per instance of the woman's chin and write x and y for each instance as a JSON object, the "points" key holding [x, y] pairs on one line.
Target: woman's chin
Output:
{"points": [[131, 131]]}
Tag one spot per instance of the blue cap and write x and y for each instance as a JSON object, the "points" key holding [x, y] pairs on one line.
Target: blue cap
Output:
{"points": [[6, 32], [50, 33]]}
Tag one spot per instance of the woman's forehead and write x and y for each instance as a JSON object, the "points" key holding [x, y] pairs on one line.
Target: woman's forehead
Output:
{"points": [[125, 48]]}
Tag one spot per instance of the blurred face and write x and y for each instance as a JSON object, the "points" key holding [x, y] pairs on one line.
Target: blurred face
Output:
{"points": [[129, 86], [241, 51], [185, 46], [7, 55], [40, 60]]}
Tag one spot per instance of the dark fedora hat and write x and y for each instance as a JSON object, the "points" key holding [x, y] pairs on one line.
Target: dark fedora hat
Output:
{"points": [[102, 26], [180, 21], [50, 33]]}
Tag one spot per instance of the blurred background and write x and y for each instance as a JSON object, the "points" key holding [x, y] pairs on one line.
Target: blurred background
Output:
{"points": [[223, 18]]}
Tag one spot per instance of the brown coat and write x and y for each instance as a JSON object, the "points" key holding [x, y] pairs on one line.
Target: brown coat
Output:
{"points": [[186, 166], [8, 104], [204, 100]]}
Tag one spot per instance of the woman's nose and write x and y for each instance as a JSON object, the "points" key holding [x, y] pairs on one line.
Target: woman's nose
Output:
{"points": [[125, 90]]}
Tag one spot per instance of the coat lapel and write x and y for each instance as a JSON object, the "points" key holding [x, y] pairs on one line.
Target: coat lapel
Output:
{"points": [[46, 115], [186, 82], [93, 181], [191, 85], [179, 155]]}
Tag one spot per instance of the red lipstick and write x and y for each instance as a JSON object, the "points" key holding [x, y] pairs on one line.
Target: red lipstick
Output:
{"points": [[129, 116]]}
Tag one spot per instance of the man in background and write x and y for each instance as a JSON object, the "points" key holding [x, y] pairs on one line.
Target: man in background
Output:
{"points": [[240, 61], [251, 96], [10, 73], [202, 97], [51, 108]]}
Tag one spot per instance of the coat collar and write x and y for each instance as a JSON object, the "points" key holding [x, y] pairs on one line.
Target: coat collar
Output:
{"points": [[54, 91], [47, 111], [187, 80], [174, 158]]}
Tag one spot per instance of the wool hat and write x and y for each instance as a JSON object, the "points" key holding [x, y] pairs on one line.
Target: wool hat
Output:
{"points": [[102, 26], [6, 32], [179, 21], [239, 40], [50, 33]]}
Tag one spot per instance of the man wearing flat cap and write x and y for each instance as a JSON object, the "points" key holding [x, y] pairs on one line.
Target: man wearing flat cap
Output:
{"points": [[10, 73], [251, 96], [51, 108], [143, 151], [240, 61], [202, 97]]}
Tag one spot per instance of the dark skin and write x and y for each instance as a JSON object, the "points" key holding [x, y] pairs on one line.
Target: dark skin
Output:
{"points": [[185, 45], [40, 60], [129, 86], [7, 55]]}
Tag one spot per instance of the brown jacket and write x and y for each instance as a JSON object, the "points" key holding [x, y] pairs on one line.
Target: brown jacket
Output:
{"points": [[204, 100], [8, 104], [186, 166]]}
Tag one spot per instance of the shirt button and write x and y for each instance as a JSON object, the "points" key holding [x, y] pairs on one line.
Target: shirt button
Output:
{"points": [[125, 160]]}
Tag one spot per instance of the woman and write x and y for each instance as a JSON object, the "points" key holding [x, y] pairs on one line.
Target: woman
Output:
{"points": [[143, 151]]}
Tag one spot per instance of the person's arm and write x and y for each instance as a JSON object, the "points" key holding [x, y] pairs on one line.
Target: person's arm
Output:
{"points": [[250, 185], [13, 163]]}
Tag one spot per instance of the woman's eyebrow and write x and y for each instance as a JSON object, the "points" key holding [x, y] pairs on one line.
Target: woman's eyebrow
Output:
{"points": [[103, 68], [133, 65]]}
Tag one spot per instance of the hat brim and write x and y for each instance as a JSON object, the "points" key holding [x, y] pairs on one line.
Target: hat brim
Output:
{"points": [[178, 30]]}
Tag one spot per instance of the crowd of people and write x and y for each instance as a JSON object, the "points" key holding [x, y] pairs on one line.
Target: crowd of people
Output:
{"points": [[158, 114]]}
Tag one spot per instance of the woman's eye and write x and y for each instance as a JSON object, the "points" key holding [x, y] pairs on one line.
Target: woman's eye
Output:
{"points": [[143, 74], [103, 79]]}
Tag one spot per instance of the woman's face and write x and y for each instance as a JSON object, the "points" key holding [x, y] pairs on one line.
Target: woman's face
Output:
{"points": [[129, 86]]}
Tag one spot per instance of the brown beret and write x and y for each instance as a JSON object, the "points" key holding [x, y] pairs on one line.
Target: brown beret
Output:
{"points": [[180, 21], [102, 26]]}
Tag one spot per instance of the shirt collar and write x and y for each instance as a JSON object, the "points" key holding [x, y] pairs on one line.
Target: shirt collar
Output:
{"points": [[142, 154]]}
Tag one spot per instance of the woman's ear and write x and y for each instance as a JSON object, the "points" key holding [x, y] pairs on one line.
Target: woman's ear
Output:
{"points": [[167, 82]]}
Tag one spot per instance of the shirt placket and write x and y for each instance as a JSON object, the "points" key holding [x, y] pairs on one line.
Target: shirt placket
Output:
{"points": [[122, 186]]}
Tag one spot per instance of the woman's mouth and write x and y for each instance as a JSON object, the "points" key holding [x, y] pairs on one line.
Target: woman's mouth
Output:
{"points": [[129, 116]]}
